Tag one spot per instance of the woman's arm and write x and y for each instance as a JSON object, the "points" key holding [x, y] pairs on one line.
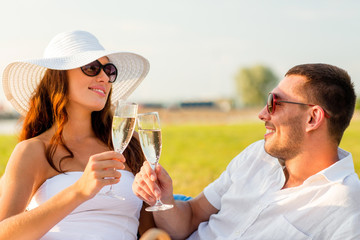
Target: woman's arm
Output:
{"points": [[23, 176], [24, 173], [44, 217]]}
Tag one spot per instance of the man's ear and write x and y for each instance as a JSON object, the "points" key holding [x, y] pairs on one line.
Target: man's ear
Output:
{"points": [[315, 119]]}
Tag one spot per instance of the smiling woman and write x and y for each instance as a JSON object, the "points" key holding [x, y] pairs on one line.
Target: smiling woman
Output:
{"points": [[65, 155], [95, 99]]}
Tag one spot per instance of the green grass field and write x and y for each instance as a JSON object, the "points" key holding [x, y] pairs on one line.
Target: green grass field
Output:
{"points": [[7, 144], [195, 155]]}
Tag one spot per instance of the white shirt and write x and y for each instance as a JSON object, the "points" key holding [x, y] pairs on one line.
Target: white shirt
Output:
{"points": [[252, 205]]}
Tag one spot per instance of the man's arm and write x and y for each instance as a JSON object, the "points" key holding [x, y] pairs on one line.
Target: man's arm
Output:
{"points": [[179, 221], [185, 217]]}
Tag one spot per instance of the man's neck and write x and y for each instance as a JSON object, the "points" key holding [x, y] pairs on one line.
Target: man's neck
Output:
{"points": [[307, 164]]}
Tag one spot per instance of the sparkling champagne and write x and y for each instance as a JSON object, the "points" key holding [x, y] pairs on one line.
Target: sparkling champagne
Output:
{"points": [[150, 141], [122, 131]]}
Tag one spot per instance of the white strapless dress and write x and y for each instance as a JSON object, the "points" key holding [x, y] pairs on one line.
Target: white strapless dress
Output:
{"points": [[99, 218]]}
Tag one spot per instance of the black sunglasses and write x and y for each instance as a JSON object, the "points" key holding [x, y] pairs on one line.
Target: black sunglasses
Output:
{"points": [[272, 101], [94, 68]]}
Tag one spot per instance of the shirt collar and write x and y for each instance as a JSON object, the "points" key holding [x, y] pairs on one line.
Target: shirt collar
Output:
{"points": [[341, 169]]}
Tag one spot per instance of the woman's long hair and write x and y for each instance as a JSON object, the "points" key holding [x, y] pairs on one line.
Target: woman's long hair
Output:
{"points": [[48, 107]]}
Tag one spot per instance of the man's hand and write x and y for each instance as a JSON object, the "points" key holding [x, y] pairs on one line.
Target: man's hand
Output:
{"points": [[150, 185]]}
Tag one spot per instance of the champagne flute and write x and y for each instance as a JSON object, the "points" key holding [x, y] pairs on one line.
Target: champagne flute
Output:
{"points": [[123, 126], [150, 141]]}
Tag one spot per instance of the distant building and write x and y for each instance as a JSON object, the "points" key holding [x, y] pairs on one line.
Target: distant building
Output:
{"points": [[222, 104], [152, 105], [208, 104]]}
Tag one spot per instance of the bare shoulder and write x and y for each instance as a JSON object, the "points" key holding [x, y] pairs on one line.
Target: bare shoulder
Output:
{"points": [[33, 144], [30, 148], [28, 156], [26, 170]]}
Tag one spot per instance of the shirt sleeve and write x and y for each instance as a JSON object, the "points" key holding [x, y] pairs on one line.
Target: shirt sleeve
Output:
{"points": [[215, 190]]}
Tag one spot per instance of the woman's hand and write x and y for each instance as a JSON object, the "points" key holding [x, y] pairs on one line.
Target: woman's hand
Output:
{"points": [[99, 172], [150, 185]]}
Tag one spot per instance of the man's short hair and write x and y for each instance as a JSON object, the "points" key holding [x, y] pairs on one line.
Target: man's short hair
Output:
{"points": [[331, 88]]}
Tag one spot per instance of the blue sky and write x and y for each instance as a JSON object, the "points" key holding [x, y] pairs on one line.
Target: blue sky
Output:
{"points": [[195, 47]]}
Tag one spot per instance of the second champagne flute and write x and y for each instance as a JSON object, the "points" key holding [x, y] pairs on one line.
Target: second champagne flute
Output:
{"points": [[123, 126], [150, 141]]}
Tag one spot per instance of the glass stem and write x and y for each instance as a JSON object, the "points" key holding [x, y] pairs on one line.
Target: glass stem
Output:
{"points": [[153, 167]]}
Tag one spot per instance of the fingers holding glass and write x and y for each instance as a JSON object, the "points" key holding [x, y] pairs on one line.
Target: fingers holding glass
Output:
{"points": [[122, 129], [151, 144]]}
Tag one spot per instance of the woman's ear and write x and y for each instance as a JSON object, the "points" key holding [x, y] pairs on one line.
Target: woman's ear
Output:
{"points": [[315, 119]]}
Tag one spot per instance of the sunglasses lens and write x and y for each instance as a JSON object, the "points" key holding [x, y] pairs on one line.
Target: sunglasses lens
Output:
{"points": [[92, 69], [270, 103], [111, 71]]}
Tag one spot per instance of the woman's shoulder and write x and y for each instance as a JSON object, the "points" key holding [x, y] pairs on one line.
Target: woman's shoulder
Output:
{"points": [[34, 146], [29, 154]]}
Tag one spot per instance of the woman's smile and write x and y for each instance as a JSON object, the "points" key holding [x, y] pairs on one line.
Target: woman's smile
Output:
{"points": [[100, 90]]}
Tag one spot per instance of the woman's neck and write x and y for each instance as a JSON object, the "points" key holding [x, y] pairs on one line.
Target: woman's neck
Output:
{"points": [[78, 126]]}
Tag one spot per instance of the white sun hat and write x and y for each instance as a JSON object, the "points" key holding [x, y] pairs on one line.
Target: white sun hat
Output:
{"points": [[69, 50]]}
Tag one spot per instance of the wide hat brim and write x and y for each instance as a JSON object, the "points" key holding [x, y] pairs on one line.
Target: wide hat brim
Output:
{"points": [[20, 79]]}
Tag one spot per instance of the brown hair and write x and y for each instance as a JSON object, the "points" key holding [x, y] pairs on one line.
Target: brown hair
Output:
{"points": [[48, 107], [331, 88]]}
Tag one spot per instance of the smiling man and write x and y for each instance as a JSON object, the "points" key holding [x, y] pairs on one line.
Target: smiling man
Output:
{"points": [[295, 184]]}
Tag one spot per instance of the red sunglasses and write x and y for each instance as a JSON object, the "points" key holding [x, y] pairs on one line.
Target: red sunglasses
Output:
{"points": [[94, 68], [272, 101]]}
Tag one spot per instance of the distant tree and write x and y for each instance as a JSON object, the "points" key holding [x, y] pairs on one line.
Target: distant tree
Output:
{"points": [[253, 85]]}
